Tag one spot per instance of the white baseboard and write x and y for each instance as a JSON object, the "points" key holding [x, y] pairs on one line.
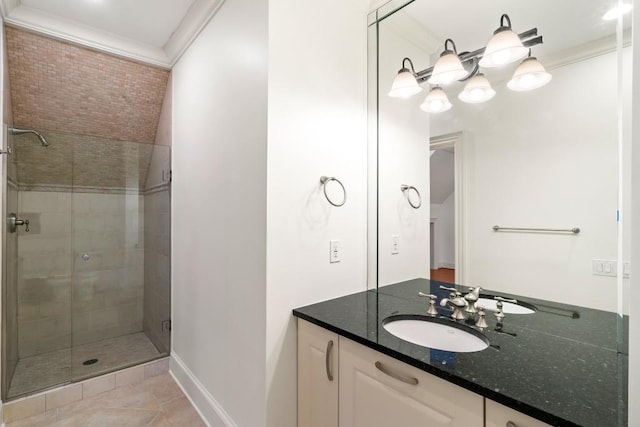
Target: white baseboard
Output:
{"points": [[212, 413]]}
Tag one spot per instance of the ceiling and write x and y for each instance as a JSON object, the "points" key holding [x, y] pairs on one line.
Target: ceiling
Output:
{"points": [[151, 31]]}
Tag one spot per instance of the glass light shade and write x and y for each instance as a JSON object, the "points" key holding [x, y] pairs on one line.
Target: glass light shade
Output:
{"points": [[436, 101], [617, 11], [448, 69], [529, 75], [504, 48], [404, 85], [477, 90]]}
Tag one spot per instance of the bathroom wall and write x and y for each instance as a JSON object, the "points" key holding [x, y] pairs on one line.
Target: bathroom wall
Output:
{"points": [[317, 126], [60, 86], [445, 233], [218, 216], [403, 150], [535, 166], [633, 215]]}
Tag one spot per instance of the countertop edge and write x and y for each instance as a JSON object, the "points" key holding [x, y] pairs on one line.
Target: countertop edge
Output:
{"points": [[452, 378]]}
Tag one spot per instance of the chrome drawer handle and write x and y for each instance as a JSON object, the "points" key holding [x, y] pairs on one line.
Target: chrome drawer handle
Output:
{"points": [[327, 360], [400, 377]]}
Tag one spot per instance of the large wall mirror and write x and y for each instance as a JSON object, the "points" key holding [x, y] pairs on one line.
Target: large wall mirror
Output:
{"points": [[549, 160]]}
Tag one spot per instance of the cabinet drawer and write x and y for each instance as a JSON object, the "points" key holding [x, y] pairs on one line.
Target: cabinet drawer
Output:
{"points": [[379, 391], [500, 416]]}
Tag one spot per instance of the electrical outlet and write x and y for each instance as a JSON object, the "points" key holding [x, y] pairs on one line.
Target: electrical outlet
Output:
{"points": [[395, 244], [334, 251], [604, 267], [166, 325]]}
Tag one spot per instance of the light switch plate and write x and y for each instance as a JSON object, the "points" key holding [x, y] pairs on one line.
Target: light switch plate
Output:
{"points": [[334, 251], [395, 244]]}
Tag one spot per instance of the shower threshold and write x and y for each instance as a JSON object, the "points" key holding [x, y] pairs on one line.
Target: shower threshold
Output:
{"points": [[36, 373]]}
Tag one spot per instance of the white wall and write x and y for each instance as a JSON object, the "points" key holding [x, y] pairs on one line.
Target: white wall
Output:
{"points": [[634, 320], [219, 216], [317, 126], [403, 141], [445, 233], [542, 159]]}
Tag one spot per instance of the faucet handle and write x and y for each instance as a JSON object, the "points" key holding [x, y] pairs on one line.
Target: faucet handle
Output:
{"points": [[432, 311], [452, 290], [481, 323], [499, 298], [499, 314]]}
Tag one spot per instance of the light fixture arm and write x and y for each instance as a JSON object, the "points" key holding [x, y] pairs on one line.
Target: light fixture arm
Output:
{"points": [[413, 70], [454, 50], [502, 19], [529, 38]]}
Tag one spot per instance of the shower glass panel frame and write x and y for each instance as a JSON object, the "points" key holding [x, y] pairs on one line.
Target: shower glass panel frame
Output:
{"points": [[91, 297]]}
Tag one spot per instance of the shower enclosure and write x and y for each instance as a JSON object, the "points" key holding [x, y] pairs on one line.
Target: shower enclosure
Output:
{"points": [[86, 257]]}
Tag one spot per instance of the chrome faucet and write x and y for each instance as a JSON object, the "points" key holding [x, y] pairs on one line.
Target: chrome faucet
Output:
{"points": [[471, 298], [456, 302]]}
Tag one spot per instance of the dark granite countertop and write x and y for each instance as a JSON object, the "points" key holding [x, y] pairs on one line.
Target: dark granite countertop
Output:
{"points": [[560, 365]]}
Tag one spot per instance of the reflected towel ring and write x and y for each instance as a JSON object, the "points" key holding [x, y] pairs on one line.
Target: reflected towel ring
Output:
{"points": [[407, 188], [323, 181]]}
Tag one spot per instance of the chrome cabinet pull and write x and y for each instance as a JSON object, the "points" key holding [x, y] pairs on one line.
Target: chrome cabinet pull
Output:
{"points": [[327, 360], [511, 424], [400, 377]]}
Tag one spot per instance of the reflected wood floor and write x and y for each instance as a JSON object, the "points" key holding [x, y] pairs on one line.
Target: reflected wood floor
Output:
{"points": [[447, 275], [156, 401]]}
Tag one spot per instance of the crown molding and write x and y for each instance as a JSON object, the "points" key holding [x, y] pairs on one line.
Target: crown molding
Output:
{"points": [[199, 14]]}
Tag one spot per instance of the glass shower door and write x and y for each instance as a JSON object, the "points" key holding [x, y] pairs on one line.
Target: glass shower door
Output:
{"points": [[37, 291]]}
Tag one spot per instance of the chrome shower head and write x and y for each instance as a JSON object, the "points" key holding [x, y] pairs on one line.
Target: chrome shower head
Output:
{"points": [[17, 131]]}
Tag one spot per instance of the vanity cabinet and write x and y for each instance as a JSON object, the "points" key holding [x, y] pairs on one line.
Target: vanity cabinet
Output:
{"points": [[317, 376], [500, 416], [379, 391], [345, 384]]}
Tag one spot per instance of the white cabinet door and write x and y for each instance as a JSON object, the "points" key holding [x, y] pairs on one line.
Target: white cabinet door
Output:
{"points": [[500, 416], [317, 376], [379, 391]]}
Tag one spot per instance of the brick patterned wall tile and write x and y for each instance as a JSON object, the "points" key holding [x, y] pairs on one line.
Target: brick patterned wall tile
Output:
{"points": [[60, 86]]}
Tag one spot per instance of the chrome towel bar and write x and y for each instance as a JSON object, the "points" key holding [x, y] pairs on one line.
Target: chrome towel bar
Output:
{"points": [[574, 230]]}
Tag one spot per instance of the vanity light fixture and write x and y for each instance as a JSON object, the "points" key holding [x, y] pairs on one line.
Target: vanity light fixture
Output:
{"points": [[448, 68], [529, 75], [436, 101], [405, 83], [504, 47], [617, 11], [477, 90]]}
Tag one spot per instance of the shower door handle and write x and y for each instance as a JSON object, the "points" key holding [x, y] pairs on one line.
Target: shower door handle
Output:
{"points": [[13, 222]]}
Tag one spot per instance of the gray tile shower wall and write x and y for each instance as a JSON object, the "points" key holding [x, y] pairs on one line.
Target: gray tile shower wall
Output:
{"points": [[88, 244]]}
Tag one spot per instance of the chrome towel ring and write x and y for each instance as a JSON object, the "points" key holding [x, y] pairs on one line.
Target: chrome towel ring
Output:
{"points": [[323, 181], [407, 188]]}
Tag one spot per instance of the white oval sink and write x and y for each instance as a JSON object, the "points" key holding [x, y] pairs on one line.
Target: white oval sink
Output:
{"points": [[507, 307], [429, 333]]}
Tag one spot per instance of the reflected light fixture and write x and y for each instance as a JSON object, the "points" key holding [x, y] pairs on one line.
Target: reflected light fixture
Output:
{"points": [[448, 68], [617, 11], [504, 47], [529, 75], [405, 83], [436, 101], [477, 90]]}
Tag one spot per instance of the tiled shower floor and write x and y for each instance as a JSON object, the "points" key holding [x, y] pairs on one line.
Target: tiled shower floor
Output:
{"points": [[59, 367]]}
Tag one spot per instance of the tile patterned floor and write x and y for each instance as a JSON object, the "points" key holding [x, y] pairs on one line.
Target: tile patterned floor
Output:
{"points": [[59, 367], [156, 401]]}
